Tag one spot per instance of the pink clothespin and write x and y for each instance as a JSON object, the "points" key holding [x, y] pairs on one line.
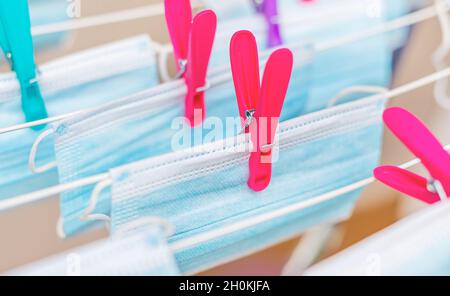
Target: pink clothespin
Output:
{"points": [[415, 135], [259, 104], [192, 41]]}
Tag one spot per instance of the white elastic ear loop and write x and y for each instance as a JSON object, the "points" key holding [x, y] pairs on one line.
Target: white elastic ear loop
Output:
{"points": [[164, 52], [33, 152], [88, 215], [357, 89], [439, 56], [60, 229], [167, 227]]}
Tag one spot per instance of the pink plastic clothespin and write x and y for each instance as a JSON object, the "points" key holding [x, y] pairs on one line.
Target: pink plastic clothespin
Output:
{"points": [[192, 41], [415, 135], [259, 104]]}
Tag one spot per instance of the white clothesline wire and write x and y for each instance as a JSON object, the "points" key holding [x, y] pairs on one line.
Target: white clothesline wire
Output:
{"points": [[156, 10], [139, 13], [407, 20], [116, 17], [104, 19], [404, 21], [49, 192], [40, 195]]}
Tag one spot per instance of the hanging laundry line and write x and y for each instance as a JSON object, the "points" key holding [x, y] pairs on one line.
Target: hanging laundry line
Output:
{"points": [[104, 19], [146, 11], [116, 17], [410, 19], [404, 21], [164, 50], [40, 195], [158, 9]]}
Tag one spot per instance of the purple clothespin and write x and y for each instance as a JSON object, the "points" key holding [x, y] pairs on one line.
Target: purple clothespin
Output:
{"points": [[270, 10]]}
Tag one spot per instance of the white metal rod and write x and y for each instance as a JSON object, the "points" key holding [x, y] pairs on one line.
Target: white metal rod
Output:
{"points": [[103, 19]]}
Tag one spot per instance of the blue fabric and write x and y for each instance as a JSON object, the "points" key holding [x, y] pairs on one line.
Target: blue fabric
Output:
{"points": [[144, 253], [230, 9], [44, 12], [67, 86], [146, 130], [151, 127], [205, 189]]}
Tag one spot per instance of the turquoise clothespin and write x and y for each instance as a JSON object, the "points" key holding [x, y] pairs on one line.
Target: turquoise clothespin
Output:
{"points": [[17, 45]]}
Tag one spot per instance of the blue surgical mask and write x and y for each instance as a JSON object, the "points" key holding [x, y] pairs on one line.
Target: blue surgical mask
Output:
{"points": [[142, 253], [420, 248], [230, 9], [46, 12], [337, 68], [144, 122], [204, 189], [80, 81], [147, 124]]}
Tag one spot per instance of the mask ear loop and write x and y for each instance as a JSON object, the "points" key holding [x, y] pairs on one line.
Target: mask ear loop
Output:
{"points": [[60, 228], [164, 52], [168, 228], [439, 56], [88, 215], [33, 152], [357, 89]]}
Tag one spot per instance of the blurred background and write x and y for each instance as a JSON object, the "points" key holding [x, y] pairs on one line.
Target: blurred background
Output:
{"points": [[28, 233]]}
